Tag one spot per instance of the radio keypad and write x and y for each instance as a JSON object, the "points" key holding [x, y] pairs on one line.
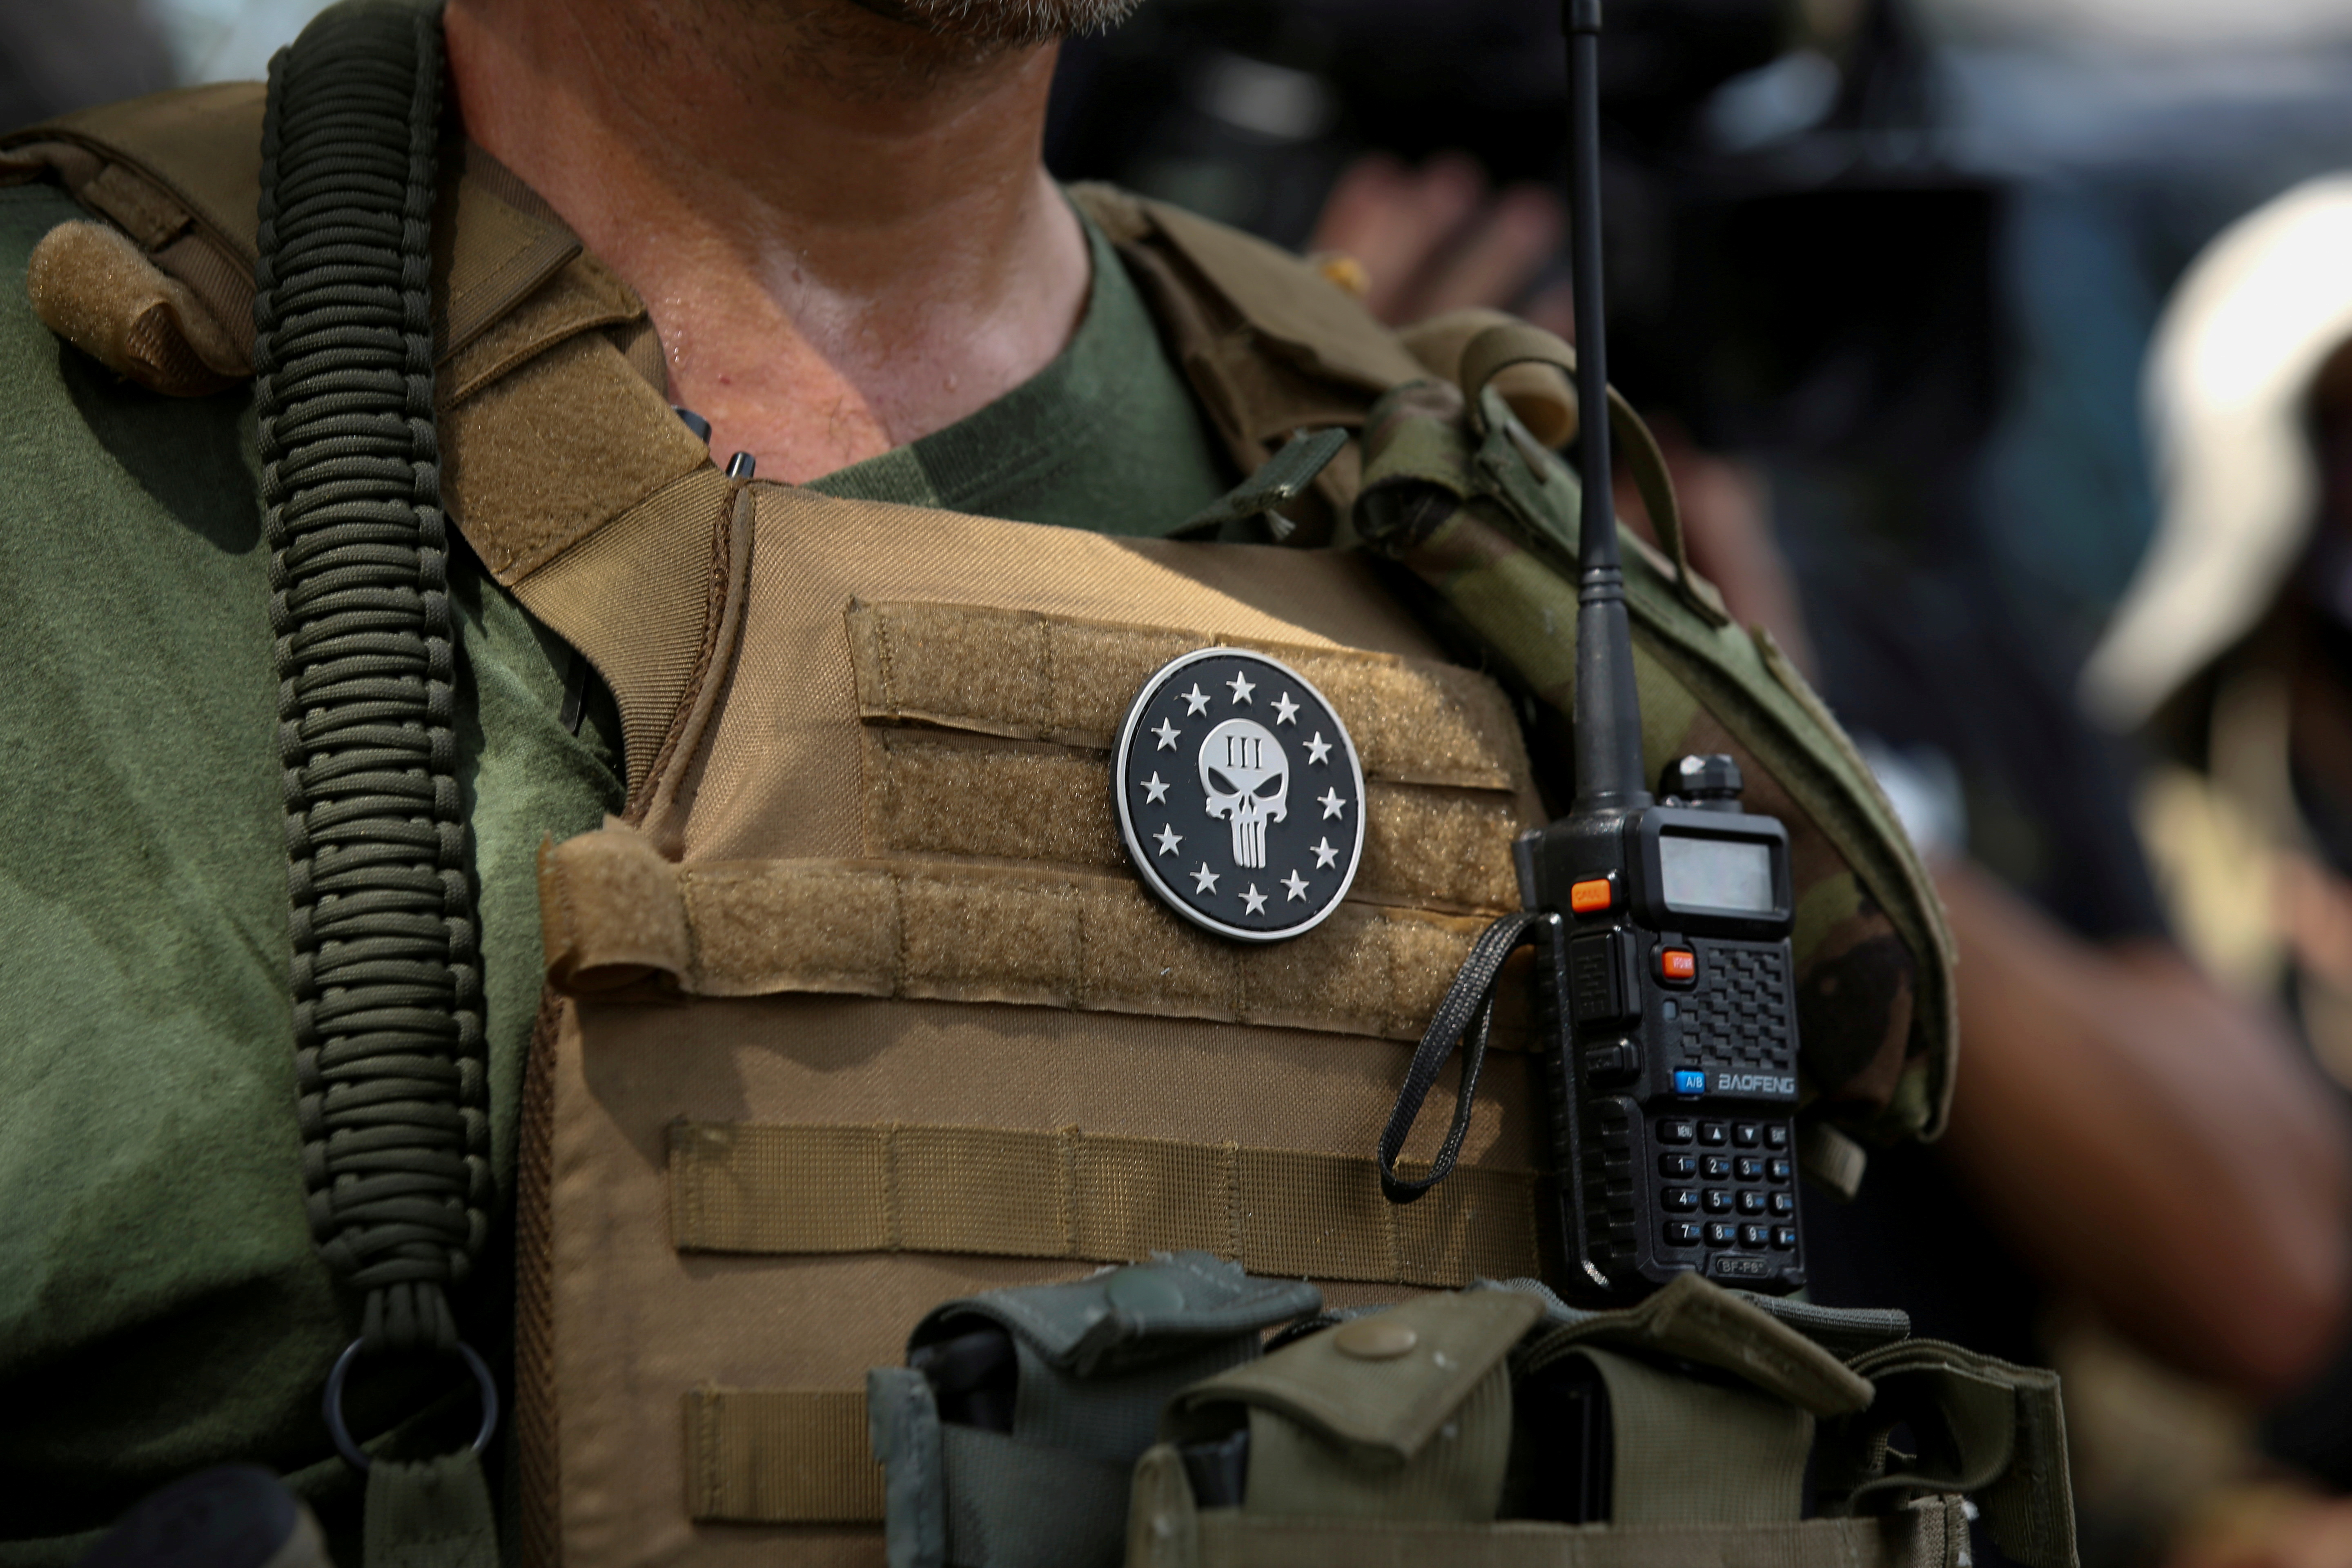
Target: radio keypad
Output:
{"points": [[1754, 1186]]}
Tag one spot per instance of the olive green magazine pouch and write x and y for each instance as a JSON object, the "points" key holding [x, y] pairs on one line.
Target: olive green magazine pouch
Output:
{"points": [[1009, 1440], [1397, 1437]]}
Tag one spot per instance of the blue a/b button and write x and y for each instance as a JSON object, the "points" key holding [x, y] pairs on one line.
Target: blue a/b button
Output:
{"points": [[1690, 1081]]}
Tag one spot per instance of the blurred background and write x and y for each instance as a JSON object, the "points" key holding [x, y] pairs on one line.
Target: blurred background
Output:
{"points": [[1894, 279]]}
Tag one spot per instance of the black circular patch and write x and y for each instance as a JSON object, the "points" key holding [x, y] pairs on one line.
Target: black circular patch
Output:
{"points": [[1240, 797]]}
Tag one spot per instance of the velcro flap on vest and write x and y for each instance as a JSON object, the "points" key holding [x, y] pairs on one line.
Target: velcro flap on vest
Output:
{"points": [[1046, 678], [93, 287], [1692, 1320], [1146, 1312], [610, 912], [615, 914], [1390, 1402]]}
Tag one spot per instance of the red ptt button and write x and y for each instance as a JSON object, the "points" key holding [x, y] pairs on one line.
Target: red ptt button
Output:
{"points": [[1592, 896], [1677, 963]]}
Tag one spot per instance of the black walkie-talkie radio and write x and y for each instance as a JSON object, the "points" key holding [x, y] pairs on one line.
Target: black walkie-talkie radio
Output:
{"points": [[1672, 1055], [1666, 986]]}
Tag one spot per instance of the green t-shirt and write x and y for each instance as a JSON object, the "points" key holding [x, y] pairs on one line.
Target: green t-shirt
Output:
{"points": [[160, 1305]]}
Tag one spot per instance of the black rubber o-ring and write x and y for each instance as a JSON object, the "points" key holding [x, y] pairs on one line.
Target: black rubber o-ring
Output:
{"points": [[357, 1457]]}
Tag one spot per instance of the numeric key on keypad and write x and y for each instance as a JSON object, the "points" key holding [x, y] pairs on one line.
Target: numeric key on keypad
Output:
{"points": [[1682, 1232], [1680, 1200], [1750, 1168], [1674, 1166]]}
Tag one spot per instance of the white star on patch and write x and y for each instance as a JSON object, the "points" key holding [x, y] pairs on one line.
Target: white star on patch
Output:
{"points": [[1297, 884], [1167, 733], [1324, 854], [1168, 839], [1253, 901], [1196, 700], [1318, 749], [1331, 803], [1241, 687], [1285, 711], [1154, 792], [1205, 881]]}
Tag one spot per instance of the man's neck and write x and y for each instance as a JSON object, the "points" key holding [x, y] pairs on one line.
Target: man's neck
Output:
{"points": [[841, 225]]}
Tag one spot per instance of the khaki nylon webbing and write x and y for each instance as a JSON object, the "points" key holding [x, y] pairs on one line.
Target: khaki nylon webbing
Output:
{"points": [[1048, 678], [780, 1189], [781, 1457]]}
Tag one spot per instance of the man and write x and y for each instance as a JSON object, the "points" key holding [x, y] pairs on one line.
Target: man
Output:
{"points": [[821, 229]]}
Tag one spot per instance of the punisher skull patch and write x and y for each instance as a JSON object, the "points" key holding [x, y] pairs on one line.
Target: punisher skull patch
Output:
{"points": [[1240, 796]]}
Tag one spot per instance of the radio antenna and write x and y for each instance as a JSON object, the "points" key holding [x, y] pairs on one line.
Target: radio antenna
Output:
{"points": [[1609, 774]]}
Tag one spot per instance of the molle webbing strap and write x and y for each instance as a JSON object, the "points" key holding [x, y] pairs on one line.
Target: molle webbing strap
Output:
{"points": [[777, 1189], [1048, 678], [615, 913], [781, 1457], [387, 984]]}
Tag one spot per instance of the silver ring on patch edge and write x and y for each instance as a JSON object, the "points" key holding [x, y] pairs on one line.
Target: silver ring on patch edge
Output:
{"points": [[1127, 832]]}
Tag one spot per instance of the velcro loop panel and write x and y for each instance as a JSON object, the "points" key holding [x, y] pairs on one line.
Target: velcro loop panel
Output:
{"points": [[933, 793], [609, 910], [1091, 943], [1047, 678], [615, 912], [785, 1190], [781, 1457]]}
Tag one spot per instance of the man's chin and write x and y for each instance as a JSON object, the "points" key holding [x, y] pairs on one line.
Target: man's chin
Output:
{"points": [[1005, 21]]}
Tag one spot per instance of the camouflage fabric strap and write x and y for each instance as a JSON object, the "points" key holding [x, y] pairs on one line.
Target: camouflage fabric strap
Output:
{"points": [[1462, 496]]}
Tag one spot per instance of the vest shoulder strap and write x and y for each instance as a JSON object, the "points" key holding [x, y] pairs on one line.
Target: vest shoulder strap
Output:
{"points": [[178, 175]]}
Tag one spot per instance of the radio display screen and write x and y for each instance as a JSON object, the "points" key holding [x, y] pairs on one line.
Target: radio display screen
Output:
{"points": [[1716, 874]]}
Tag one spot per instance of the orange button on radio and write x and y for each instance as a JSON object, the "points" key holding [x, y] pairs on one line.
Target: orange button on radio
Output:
{"points": [[1592, 895], [1677, 963]]}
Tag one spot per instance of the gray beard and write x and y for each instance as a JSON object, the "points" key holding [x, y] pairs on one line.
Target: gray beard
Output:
{"points": [[1005, 22]]}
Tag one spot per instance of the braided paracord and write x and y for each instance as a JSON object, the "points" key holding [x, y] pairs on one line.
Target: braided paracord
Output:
{"points": [[387, 983]]}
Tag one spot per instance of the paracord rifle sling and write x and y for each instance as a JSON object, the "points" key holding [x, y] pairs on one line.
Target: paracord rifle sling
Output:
{"points": [[387, 989]]}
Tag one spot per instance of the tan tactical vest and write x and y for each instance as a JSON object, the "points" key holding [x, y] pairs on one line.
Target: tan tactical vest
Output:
{"points": [[893, 1022], [860, 1009]]}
